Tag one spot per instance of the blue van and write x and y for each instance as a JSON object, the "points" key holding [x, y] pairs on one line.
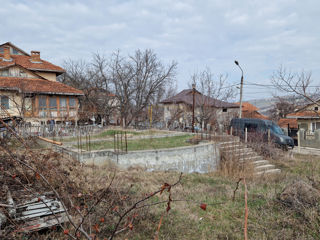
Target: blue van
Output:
{"points": [[257, 130]]}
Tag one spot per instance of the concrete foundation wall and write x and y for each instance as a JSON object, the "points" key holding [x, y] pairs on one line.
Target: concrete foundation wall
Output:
{"points": [[200, 158]]}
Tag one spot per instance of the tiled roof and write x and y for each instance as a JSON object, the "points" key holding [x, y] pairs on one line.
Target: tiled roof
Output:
{"points": [[25, 61], [248, 107], [304, 114], [253, 114], [35, 85], [186, 97], [283, 122], [251, 111]]}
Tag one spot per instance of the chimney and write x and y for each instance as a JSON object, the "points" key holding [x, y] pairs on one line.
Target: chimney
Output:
{"points": [[6, 53], [35, 56]]}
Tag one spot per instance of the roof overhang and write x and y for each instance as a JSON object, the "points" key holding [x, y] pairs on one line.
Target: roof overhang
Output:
{"points": [[47, 70], [45, 93], [302, 117]]}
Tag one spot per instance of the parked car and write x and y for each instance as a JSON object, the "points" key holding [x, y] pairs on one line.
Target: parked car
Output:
{"points": [[257, 130]]}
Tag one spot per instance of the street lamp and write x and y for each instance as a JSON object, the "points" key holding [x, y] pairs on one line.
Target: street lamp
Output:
{"points": [[241, 87], [193, 100]]}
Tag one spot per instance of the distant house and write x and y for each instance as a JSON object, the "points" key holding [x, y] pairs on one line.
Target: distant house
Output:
{"points": [[29, 89], [308, 120], [251, 111], [308, 117], [178, 109]]}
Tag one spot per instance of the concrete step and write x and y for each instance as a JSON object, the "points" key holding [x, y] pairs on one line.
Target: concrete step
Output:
{"points": [[270, 171], [229, 143], [241, 150], [260, 162], [242, 154], [236, 146], [265, 167], [253, 158]]}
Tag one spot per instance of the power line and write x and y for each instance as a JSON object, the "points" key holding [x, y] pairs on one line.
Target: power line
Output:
{"points": [[271, 85]]}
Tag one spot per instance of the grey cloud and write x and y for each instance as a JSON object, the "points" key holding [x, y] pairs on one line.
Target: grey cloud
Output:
{"points": [[260, 34]]}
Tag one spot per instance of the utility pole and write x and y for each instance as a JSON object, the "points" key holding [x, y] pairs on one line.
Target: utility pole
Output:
{"points": [[193, 100], [241, 87]]}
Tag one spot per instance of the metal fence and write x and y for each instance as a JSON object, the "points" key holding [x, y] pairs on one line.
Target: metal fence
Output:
{"points": [[57, 131]]}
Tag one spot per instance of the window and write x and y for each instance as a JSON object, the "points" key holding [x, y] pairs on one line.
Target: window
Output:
{"points": [[42, 103], [5, 102], [4, 73], [28, 104], [53, 103], [63, 104], [251, 127], [72, 103], [303, 126], [15, 51], [22, 73], [224, 110], [316, 108], [1, 49]]}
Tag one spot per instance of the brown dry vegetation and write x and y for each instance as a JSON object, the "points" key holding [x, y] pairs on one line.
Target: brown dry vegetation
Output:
{"points": [[268, 218]]}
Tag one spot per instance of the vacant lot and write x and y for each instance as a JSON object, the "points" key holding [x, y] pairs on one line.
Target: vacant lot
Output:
{"points": [[143, 144], [109, 134]]}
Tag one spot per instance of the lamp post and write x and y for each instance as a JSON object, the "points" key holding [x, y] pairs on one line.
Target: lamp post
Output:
{"points": [[241, 87], [193, 100]]}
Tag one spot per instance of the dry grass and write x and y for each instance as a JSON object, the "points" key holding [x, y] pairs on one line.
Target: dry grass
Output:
{"points": [[223, 218], [231, 165]]}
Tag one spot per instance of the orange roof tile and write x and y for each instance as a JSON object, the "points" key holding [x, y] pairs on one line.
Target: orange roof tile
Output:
{"points": [[251, 111], [304, 114], [283, 122], [248, 107], [25, 61], [253, 114], [35, 85]]}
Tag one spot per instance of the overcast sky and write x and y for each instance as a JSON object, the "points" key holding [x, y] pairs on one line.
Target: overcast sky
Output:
{"points": [[261, 35]]}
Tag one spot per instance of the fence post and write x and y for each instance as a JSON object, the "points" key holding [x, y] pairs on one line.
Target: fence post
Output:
{"points": [[298, 135], [114, 141], [126, 141], [231, 130], [89, 143], [246, 135], [269, 135]]}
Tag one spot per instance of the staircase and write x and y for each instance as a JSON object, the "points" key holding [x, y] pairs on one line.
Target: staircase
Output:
{"points": [[234, 150]]}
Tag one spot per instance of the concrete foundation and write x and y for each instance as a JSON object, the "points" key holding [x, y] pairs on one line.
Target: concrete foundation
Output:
{"points": [[200, 158]]}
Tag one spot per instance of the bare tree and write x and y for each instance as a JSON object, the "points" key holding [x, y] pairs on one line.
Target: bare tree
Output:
{"points": [[283, 106], [140, 81], [124, 84], [298, 84], [214, 87], [92, 78]]}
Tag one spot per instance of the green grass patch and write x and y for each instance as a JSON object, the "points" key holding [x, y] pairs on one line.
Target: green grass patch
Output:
{"points": [[143, 144], [111, 132]]}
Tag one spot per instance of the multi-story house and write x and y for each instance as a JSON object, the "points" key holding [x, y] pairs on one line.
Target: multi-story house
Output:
{"points": [[29, 88]]}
